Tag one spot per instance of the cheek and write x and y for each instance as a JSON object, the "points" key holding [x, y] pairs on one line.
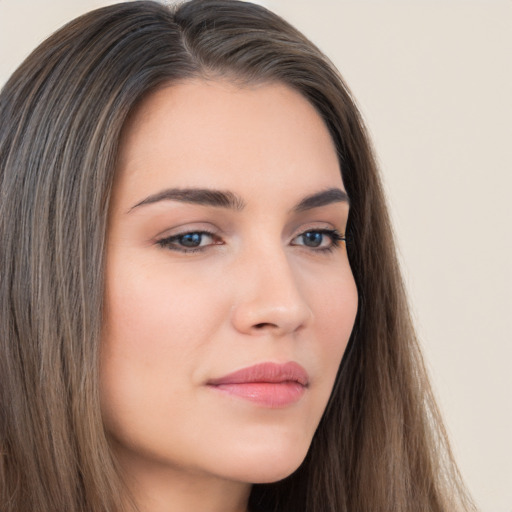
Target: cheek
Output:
{"points": [[156, 311], [335, 312], [155, 327], [334, 304]]}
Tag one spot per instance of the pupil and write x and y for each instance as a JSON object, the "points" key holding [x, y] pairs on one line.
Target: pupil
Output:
{"points": [[191, 239], [312, 238]]}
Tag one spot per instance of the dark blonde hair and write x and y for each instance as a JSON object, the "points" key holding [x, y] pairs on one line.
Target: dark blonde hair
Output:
{"points": [[380, 445]]}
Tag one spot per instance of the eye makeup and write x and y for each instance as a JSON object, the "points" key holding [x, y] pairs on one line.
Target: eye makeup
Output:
{"points": [[316, 240]]}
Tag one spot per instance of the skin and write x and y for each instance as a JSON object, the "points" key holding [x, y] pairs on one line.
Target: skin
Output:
{"points": [[254, 291]]}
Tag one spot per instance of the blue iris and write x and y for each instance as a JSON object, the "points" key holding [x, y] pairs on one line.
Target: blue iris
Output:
{"points": [[313, 238], [191, 239]]}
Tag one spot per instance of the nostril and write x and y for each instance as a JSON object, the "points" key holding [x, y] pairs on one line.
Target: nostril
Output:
{"points": [[263, 325]]}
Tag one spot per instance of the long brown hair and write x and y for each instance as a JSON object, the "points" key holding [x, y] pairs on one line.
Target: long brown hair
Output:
{"points": [[380, 445]]}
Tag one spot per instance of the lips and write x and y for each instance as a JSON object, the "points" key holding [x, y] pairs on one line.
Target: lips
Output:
{"points": [[270, 385]]}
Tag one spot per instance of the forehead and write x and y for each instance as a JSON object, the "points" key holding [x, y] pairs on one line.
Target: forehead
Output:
{"points": [[220, 135]]}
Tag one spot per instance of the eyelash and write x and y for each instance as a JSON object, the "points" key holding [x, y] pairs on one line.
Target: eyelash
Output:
{"points": [[171, 242], [335, 236]]}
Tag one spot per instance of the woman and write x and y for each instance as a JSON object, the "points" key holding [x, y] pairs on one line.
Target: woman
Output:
{"points": [[201, 306]]}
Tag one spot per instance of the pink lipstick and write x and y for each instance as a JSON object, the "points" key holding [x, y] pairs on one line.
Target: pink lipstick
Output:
{"points": [[271, 385]]}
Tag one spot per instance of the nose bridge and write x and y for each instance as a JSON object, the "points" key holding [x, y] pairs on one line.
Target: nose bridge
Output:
{"points": [[269, 294]]}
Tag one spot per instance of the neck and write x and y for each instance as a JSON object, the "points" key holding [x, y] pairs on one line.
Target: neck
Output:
{"points": [[168, 489]]}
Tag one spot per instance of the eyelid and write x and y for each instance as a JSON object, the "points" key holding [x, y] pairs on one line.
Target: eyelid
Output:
{"points": [[169, 238], [171, 242], [334, 235], [333, 239], [188, 227], [324, 226]]}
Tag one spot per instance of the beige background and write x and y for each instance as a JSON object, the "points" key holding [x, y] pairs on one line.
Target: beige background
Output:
{"points": [[434, 81]]}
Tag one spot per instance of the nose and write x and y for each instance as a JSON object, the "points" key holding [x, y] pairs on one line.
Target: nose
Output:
{"points": [[268, 298]]}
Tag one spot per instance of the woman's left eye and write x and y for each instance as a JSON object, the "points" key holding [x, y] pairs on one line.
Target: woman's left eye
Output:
{"points": [[189, 242], [319, 239]]}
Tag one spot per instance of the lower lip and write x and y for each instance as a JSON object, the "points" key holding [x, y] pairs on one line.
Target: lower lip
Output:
{"points": [[268, 394]]}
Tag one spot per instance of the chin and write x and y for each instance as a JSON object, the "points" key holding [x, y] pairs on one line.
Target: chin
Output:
{"points": [[265, 468], [275, 475]]}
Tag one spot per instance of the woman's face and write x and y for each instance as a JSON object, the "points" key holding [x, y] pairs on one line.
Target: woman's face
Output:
{"points": [[224, 254]]}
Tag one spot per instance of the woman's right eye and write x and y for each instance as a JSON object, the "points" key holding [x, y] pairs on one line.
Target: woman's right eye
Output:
{"points": [[192, 241]]}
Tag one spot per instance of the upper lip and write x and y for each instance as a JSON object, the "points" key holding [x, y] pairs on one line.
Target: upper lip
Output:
{"points": [[265, 372]]}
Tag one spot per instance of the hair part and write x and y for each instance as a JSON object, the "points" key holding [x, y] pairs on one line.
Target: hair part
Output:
{"points": [[380, 445]]}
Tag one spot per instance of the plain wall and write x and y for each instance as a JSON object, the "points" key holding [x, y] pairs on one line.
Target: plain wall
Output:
{"points": [[434, 82]]}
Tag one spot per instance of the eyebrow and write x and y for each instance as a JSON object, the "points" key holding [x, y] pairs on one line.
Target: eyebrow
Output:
{"points": [[227, 199], [201, 196], [329, 196]]}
